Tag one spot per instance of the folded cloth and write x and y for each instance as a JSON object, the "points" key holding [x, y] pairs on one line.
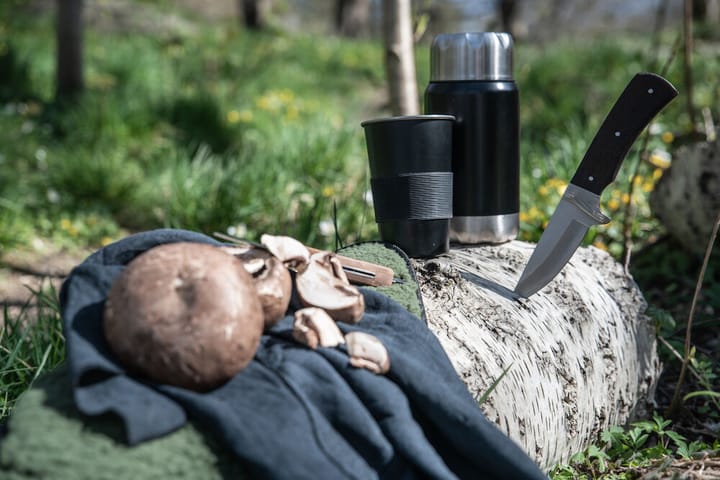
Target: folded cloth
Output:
{"points": [[294, 412]]}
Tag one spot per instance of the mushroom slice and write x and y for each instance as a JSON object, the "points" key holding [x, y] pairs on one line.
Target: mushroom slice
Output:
{"points": [[323, 284], [314, 328], [271, 278], [274, 287], [366, 351], [290, 251]]}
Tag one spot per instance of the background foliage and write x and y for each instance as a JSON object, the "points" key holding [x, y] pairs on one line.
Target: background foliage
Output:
{"points": [[209, 127]]}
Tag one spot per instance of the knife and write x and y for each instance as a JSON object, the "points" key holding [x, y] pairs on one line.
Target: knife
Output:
{"points": [[579, 207], [357, 271]]}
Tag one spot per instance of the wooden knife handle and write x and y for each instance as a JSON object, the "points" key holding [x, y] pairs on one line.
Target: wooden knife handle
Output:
{"points": [[362, 272]]}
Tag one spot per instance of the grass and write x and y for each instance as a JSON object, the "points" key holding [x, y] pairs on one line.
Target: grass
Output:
{"points": [[212, 128], [31, 342]]}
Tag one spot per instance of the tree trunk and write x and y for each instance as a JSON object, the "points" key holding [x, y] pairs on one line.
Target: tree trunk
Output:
{"points": [[69, 59], [508, 10], [252, 14], [400, 57], [699, 10], [351, 17], [686, 199], [580, 354]]}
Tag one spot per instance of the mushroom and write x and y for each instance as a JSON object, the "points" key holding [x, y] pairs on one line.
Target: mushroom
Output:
{"points": [[324, 284], [184, 314], [366, 351], [313, 327], [274, 287], [290, 251], [272, 279]]}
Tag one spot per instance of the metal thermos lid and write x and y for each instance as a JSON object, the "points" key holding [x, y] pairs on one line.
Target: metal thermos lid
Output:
{"points": [[471, 56]]}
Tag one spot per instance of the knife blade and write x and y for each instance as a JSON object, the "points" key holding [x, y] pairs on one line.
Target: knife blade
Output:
{"points": [[579, 208]]}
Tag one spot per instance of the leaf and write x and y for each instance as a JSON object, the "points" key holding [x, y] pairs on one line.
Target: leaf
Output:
{"points": [[675, 437], [701, 393], [492, 386]]}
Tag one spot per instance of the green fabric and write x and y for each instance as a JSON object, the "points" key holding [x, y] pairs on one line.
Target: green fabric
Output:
{"points": [[48, 438], [406, 292]]}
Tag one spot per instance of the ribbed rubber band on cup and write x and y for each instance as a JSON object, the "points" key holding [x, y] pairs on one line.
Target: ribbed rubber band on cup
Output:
{"points": [[413, 196]]}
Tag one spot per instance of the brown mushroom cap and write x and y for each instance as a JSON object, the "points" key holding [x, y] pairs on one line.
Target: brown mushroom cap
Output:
{"points": [[185, 314], [274, 288], [273, 282]]}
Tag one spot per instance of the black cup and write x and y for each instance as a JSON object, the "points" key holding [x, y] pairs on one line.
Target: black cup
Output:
{"points": [[411, 178]]}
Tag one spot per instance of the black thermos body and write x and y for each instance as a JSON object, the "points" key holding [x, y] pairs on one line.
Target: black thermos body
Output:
{"points": [[471, 78]]}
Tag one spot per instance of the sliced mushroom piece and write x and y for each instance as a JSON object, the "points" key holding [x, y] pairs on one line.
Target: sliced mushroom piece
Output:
{"points": [[184, 314], [274, 287], [288, 250], [272, 280], [323, 284], [314, 328], [366, 351]]}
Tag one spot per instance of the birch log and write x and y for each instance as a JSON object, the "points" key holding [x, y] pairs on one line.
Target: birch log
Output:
{"points": [[580, 353], [687, 198]]}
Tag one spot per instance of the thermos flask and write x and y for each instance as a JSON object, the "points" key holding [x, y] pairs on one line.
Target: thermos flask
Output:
{"points": [[471, 77]]}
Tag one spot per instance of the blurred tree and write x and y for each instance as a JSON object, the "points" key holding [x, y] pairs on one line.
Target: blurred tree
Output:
{"points": [[69, 59], [508, 12], [351, 17], [699, 10], [253, 13], [400, 57]]}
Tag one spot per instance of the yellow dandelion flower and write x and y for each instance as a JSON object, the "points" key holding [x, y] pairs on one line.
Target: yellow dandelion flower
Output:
{"points": [[657, 173], [264, 103], [245, 116], [233, 116], [543, 191], [535, 213], [647, 186], [613, 204], [557, 184], [625, 198], [637, 180], [292, 112], [286, 96], [65, 224], [524, 217], [660, 159], [105, 241], [328, 191], [667, 137], [601, 245]]}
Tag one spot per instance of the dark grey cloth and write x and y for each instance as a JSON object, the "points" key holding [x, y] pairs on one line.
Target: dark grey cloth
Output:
{"points": [[294, 412]]}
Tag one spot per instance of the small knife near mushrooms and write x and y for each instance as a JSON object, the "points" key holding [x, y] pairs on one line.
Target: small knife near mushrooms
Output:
{"points": [[324, 284]]}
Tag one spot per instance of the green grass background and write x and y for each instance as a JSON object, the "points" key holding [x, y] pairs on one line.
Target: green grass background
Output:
{"points": [[209, 127]]}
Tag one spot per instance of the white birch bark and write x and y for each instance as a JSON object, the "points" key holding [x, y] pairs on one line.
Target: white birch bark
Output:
{"points": [[581, 353], [400, 57], [686, 199]]}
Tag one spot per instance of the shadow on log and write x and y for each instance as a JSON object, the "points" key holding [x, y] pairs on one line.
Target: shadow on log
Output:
{"points": [[581, 352]]}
